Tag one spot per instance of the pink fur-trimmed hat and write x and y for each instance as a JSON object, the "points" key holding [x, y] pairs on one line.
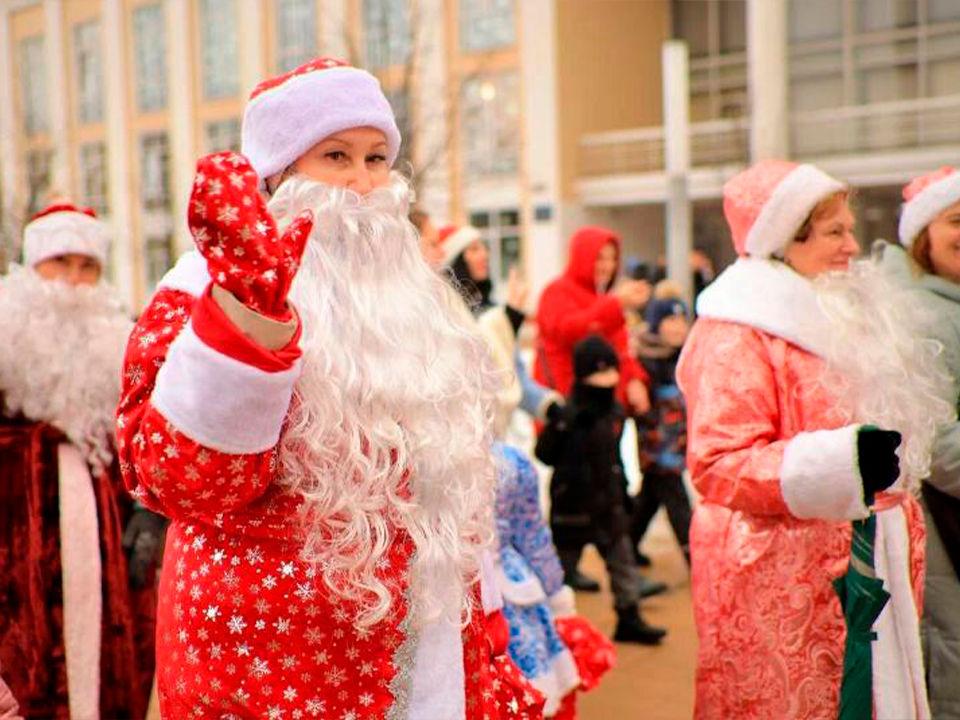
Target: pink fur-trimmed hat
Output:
{"points": [[454, 240], [766, 204], [925, 198], [289, 114], [63, 229]]}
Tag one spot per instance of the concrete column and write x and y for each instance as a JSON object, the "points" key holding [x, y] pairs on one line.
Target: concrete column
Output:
{"points": [[545, 246], [57, 96], [253, 46], [119, 159], [181, 64], [11, 168], [676, 125], [768, 79], [333, 18]]}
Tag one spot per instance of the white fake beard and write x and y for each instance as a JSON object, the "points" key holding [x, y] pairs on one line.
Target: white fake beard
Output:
{"points": [[879, 370], [393, 379], [61, 353]]}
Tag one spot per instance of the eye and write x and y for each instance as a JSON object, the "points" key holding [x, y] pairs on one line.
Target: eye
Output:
{"points": [[376, 158], [336, 155]]}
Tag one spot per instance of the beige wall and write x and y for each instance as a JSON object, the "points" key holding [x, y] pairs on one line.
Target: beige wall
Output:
{"points": [[608, 70]]}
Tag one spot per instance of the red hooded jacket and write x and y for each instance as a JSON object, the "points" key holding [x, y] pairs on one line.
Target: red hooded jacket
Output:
{"points": [[571, 309]]}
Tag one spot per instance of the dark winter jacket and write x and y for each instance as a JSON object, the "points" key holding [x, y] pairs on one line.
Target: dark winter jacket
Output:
{"points": [[588, 493], [571, 308], [662, 431]]}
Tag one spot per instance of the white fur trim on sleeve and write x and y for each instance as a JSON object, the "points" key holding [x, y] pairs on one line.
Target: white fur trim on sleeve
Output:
{"points": [[820, 475], [563, 602], [189, 275], [930, 202], [220, 402], [787, 209]]}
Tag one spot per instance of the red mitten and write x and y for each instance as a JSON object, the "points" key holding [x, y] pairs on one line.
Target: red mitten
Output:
{"points": [[592, 651], [237, 235]]}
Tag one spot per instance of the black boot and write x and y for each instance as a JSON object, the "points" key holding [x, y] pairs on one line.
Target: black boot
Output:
{"points": [[643, 560], [632, 628], [583, 583], [649, 588]]}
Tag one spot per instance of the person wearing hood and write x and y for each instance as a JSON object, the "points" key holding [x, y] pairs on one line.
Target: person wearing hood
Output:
{"points": [[803, 377], [928, 260], [586, 300]]}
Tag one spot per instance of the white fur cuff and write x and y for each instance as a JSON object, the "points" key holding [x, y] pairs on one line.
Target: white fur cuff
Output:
{"points": [[820, 475], [563, 602], [220, 402]]}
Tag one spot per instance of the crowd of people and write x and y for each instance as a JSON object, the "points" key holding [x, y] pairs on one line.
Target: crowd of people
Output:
{"points": [[288, 490]]}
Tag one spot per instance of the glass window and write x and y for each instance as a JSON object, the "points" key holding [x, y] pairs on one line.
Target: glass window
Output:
{"points": [[486, 24], [159, 257], [386, 32], [86, 45], [38, 179], [885, 14], [93, 176], [815, 20], [219, 48], [490, 124], [691, 23], [500, 229], [151, 57], [733, 25], [944, 77], [816, 93], [888, 84], [296, 33], [154, 172], [223, 135], [33, 85], [943, 10]]}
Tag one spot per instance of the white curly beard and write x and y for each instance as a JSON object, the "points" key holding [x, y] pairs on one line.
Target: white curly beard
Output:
{"points": [[61, 352], [390, 425], [878, 368]]}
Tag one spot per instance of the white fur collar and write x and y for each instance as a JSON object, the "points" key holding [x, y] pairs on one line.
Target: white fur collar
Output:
{"points": [[189, 275], [769, 296]]}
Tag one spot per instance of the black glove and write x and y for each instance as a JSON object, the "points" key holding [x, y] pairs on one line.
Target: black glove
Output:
{"points": [[142, 540], [877, 455]]}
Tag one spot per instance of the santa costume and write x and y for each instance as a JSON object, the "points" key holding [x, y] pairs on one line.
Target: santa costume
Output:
{"points": [[330, 498], [780, 372], [68, 626]]}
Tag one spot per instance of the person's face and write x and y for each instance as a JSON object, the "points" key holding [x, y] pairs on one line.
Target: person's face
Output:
{"points": [[430, 243], [674, 329], [477, 258], [605, 266], [71, 268], [603, 378], [355, 159], [944, 234], [830, 246]]}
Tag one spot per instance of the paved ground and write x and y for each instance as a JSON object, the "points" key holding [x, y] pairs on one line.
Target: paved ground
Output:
{"points": [[648, 683]]}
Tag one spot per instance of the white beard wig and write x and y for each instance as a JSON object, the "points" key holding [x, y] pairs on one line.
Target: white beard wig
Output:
{"points": [[390, 424], [879, 369], [61, 355]]}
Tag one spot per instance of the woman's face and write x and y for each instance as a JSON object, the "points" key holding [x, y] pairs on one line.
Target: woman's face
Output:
{"points": [[605, 266], [944, 234], [830, 245], [71, 268], [477, 258], [355, 159]]}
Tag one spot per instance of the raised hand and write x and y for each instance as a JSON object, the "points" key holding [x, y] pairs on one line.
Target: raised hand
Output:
{"points": [[233, 230], [877, 456]]}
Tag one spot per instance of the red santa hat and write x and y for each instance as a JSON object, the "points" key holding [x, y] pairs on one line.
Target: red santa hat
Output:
{"points": [[287, 115], [768, 203], [62, 229], [454, 239], [926, 197]]}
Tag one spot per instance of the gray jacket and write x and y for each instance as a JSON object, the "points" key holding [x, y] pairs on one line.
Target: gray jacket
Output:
{"points": [[941, 621]]}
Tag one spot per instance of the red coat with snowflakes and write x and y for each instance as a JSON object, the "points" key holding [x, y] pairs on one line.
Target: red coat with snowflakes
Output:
{"points": [[245, 629]]}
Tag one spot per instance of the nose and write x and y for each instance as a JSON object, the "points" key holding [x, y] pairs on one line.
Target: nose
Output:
{"points": [[73, 275], [361, 182], [851, 246]]}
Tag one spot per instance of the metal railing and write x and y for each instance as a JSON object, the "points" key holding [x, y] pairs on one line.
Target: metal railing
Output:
{"points": [[876, 127]]}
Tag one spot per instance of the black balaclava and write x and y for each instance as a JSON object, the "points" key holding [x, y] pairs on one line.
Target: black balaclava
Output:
{"points": [[590, 355]]}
